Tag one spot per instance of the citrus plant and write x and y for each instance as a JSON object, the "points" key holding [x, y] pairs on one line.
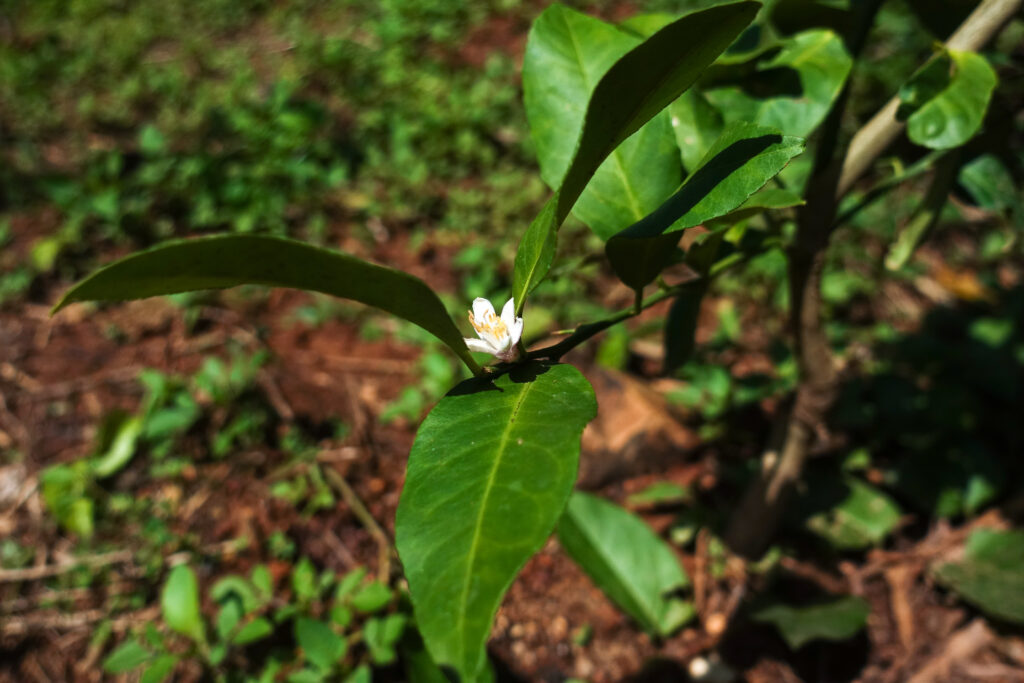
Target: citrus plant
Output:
{"points": [[644, 131]]}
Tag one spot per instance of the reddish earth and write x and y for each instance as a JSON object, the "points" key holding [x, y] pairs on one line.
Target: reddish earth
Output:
{"points": [[59, 376]]}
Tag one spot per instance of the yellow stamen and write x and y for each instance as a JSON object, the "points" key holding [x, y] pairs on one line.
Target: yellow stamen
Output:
{"points": [[491, 324]]}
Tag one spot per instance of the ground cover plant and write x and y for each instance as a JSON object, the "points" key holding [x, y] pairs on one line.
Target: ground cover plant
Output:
{"points": [[718, 159]]}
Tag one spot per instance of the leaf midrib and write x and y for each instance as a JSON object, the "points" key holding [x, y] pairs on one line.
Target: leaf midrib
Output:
{"points": [[615, 154], [474, 544]]}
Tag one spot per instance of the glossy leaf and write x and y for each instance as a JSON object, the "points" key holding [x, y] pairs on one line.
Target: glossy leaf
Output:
{"points": [[990, 574], [951, 116], [179, 602], [623, 556], [742, 160], [566, 56], [638, 86], [801, 83], [490, 471], [837, 620], [221, 261]]}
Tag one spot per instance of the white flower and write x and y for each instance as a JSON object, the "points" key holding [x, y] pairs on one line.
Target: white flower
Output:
{"points": [[498, 336]]}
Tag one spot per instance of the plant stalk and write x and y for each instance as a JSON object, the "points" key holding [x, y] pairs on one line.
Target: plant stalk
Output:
{"points": [[753, 524]]}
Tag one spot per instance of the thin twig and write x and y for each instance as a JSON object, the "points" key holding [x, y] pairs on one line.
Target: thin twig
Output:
{"points": [[384, 546], [588, 330], [23, 625], [48, 570]]}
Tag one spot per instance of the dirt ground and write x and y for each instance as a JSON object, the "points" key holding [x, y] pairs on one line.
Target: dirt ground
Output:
{"points": [[60, 375]]}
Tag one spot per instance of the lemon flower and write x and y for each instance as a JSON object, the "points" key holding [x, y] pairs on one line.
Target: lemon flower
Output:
{"points": [[498, 336]]}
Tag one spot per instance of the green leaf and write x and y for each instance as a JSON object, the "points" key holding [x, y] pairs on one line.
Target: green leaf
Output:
{"points": [[160, 669], [951, 116], [304, 579], [990, 574], [566, 56], [489, 474], [322, 647], [837, 620], [361, 674], [768, 199], [257, 629], [372, 597], [263, 582], [233, 586], [742, 160], [121, 447], [305, 676], [129, 655], [926, 215], [863, 517], [381, 634], [64, 492], [638, 86], [349, 583], [696, 124], [990, 184], [221, 261], [228, 617], [802, 82], [179, 601], [627, 560], [418, 664]]}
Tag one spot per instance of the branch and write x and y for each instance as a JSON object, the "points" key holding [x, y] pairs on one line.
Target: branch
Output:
{"points": [[883, 128], [588, 330]]}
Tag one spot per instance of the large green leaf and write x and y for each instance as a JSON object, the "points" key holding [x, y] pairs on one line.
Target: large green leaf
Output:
{"points": [[627, 560], [742, 160], [221, 261], [944, 103], [800, 84], [837, 620], [490, 471], [990, 574], [638, 86], [566, 56]]}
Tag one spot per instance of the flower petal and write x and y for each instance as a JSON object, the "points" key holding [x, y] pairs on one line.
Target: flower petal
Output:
{"points": [[479, 345], [516, 331], [508, 313], [482, 309]]}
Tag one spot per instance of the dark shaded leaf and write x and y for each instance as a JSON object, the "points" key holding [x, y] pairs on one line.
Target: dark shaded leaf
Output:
{"points": [[632, 92], [221, 261]]}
